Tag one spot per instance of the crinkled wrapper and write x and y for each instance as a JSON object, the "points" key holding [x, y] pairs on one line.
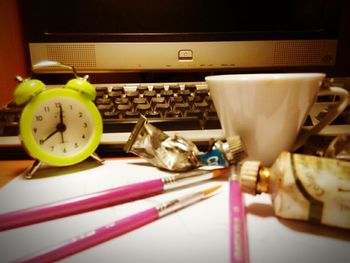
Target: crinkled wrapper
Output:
{"points": [[173, 153]]}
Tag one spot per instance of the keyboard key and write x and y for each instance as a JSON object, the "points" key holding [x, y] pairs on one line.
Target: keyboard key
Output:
{"points": [[166, 94], [100, 91], [184, 94], [124, 107], [131, 94], [142, 88], [174, 88], [195, 113], [172, 114], [121, 101], [162, 108], [143, 108], [182, 106], [158, 88], [149, 94], [157, 100], [202, 106], [191, 87], [132, 114], [111, 115], [105, 107], [118, 87], [139, 100], [104, 101], [153, 114], [115, 94], [176, 99], [202, 93]]}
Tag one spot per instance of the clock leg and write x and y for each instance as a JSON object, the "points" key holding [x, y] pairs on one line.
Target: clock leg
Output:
{"points": [[33, 169], [97, 158]]}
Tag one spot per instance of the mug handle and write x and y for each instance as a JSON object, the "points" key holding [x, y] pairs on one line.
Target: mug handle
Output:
{"points": [[328, 118]]}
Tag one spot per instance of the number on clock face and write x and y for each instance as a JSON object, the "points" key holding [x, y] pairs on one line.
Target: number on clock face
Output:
{"points": [[62, 126]]}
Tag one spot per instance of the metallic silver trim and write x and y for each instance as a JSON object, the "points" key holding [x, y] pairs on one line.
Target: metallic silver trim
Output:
{"points": [[186, 178], [176, 204], [112, 57]]}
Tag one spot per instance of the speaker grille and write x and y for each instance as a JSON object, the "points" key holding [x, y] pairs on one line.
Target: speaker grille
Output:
{"points": [[79, 56], [301, 53]]}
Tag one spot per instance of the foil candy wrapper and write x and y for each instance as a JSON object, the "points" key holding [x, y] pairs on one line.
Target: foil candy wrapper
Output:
{"points": [[175, 153]]}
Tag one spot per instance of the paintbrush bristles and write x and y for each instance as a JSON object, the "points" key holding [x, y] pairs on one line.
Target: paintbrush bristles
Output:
{"points": [[208, 191], [220, 172]]}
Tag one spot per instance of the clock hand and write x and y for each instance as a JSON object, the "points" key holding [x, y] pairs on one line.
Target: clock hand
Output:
{"points": [[61, 114], [62, 139], [61, 127], [49, 136]]}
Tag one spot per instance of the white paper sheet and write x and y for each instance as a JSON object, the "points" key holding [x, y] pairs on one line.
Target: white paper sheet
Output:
{"points": [[199, 233]]}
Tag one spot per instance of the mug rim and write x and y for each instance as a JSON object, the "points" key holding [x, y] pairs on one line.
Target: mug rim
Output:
{"points": [[255, 76]]}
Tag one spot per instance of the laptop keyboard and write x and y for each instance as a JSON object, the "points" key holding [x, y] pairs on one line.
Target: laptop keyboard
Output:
{"points": [[176, 108], [169, 107]]}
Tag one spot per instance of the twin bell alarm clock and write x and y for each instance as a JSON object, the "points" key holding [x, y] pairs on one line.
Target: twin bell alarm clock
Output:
{"points": [[59, 126]]}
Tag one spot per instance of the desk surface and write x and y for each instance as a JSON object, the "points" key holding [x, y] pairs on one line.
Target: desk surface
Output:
{"points": [[198, 233], [11, 169]]}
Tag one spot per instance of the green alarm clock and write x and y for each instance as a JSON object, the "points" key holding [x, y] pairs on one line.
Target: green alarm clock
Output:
{"points": [[59, 126]]}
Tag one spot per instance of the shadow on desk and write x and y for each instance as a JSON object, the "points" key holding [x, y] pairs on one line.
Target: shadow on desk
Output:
{"points": [[46, 171], [264, 210], [10, 169]]}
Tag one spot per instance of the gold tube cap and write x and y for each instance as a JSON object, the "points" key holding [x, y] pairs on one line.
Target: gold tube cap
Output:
{"points": [[233, 149], [248, 176]]}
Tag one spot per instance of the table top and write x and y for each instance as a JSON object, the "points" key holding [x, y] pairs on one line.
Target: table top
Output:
{"points": [[199, 233], [12, 168]]}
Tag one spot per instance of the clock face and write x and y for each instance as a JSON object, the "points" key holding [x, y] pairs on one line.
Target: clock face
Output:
{"points": [[60, 127]]}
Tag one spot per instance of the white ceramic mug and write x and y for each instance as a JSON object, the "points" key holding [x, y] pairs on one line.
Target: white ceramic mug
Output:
{"points": [[269, 110]]}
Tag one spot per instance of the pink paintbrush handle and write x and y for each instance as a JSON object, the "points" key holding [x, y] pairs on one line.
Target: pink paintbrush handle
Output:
{"points": [[96, 237], [238, 228], [80, 204]]}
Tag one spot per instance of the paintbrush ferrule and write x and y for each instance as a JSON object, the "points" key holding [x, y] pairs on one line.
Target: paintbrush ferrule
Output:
{"points": [[184, 201], [176, 204], [186, 178]]}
